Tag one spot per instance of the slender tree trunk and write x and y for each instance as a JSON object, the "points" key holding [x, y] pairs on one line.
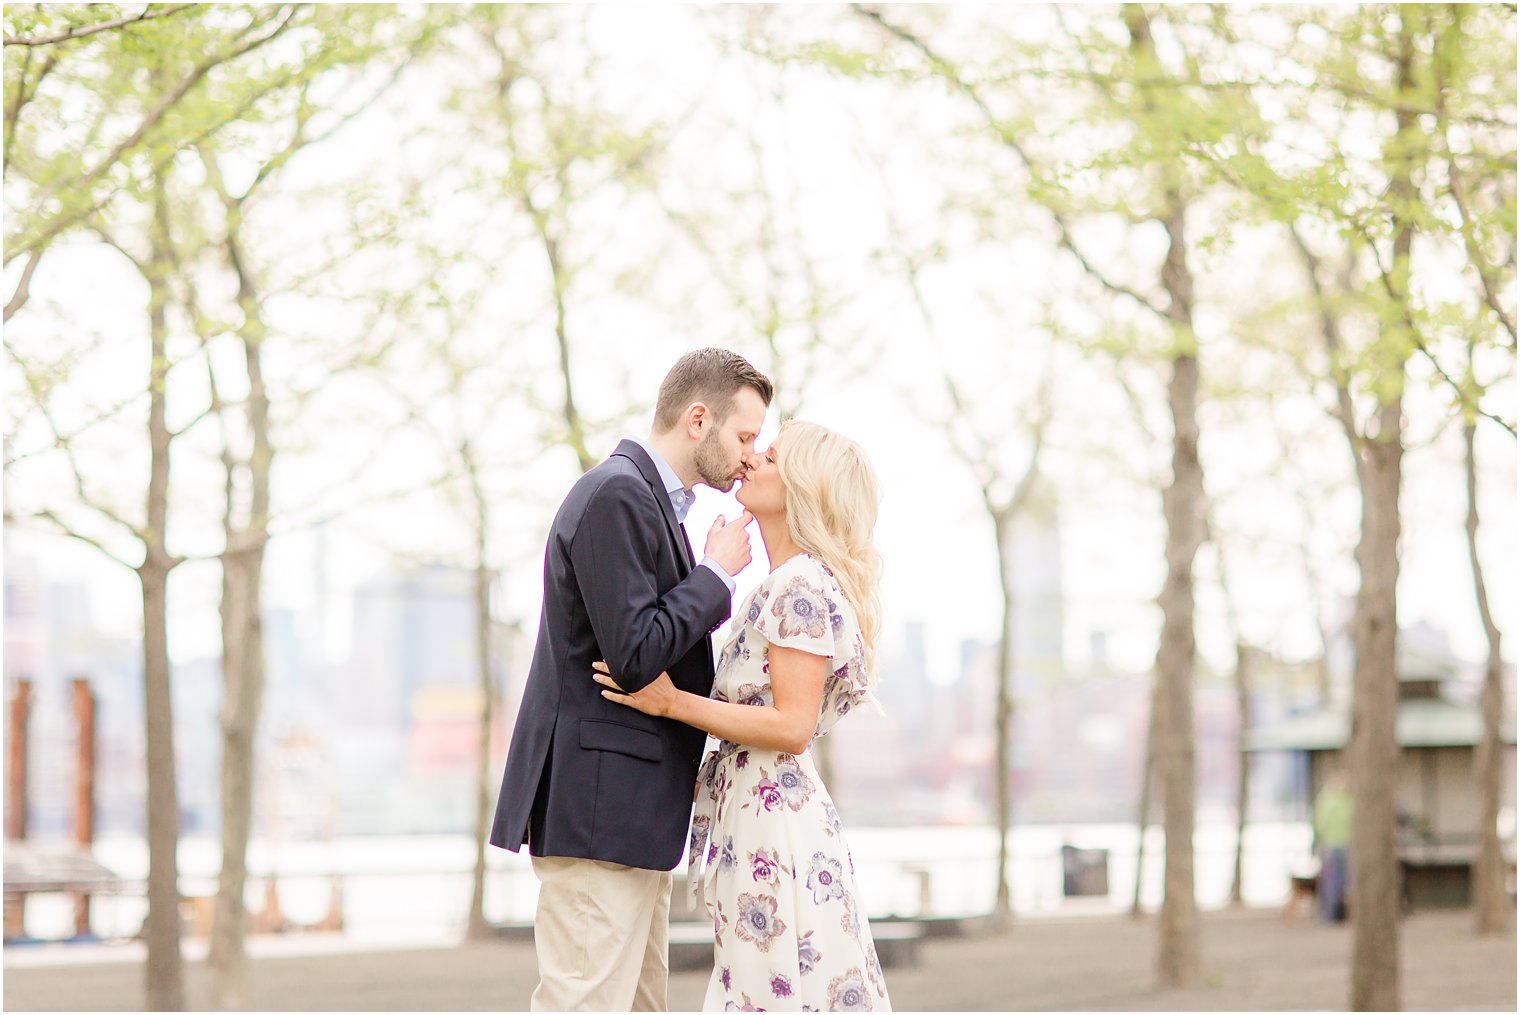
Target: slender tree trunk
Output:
{"points": [[165, 968], [1147, 779], [575, 425], [1003, 718], [243, 651], [478, 927], [1374, 747], [1492, 911], [1182, 502], [1322, 669], [1178, 959], [1312, 583], [1375, 960], [1243, 782], [227, 958]]}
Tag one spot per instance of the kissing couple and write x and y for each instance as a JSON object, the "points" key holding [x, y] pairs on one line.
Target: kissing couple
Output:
{"points": [[623, 693]]}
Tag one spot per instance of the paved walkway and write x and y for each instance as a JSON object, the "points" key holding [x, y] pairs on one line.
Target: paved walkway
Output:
{"points": [[1252, 960]]}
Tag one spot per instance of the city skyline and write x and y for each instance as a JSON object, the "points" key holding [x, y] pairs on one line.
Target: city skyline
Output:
{"points": [[399, 715]]}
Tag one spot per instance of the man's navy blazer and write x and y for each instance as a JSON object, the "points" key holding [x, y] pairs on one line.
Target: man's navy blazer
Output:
{"points": [[587, 777]]}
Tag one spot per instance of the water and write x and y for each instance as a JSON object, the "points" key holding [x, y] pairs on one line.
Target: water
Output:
{"points": [[416, 888]]}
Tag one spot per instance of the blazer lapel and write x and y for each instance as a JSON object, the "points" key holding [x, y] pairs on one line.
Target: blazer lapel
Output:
{"points": [[631, 451]]}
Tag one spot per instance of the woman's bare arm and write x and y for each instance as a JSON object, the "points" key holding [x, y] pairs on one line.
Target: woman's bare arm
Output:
{"points": [[787, 725]]}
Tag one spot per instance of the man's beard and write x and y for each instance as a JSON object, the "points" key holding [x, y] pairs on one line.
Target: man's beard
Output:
{"points": [[712, 464]]}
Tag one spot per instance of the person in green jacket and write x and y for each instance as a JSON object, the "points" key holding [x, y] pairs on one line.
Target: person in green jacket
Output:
{"points": [[1333, 813]]}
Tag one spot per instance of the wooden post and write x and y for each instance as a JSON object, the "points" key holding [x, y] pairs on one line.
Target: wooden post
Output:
{"points": [[15, 769], [84, 791], [15, 795]]}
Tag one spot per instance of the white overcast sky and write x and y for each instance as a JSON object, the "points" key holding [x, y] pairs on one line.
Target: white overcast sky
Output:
{"points": [[831, 147]]}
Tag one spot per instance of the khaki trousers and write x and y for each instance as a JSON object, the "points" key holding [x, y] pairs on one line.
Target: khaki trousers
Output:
{"points": [[601, 934]]}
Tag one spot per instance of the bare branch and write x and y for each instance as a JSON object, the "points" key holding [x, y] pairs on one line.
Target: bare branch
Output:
{"points": [[1330, 330], [64, 221], [1464, 397], [24, 286], [62, 443], [63, 529], [1474, 253], [24, 94], [944, 69], [83, 31]]}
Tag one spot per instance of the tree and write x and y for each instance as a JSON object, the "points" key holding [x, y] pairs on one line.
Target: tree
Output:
{"points": [[1492, 910], [552, 153], [1486, 224], [1377, 214], [461, 416], [58, 184], [565, 148], [149, 536], [1145, 98], [986, 449], [127, 77], [333, 39]]}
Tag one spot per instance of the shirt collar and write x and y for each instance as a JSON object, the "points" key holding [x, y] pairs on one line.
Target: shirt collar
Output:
{"points": [[681, 497]]}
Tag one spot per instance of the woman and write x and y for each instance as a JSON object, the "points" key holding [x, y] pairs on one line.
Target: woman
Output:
{"points": [[767, 845]]}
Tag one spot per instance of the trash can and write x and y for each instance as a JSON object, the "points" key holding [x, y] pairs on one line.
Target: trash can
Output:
{"points": [[1084, 872]]}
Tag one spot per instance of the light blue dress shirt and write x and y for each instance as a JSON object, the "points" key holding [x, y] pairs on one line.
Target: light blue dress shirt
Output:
{"points": [[681, 498]]}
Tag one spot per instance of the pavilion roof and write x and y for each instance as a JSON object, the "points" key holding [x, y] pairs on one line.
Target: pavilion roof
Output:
{"points": [[1422, 722]]}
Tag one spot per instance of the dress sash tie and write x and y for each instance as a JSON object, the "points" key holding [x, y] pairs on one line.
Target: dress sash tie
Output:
{"points": [[713, 777]]}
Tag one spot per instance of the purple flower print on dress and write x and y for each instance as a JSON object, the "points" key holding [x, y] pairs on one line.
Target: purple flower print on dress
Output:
{"points": [[873, 970], [847, 992], [793, 783], [758, 922], [825, 879], [726, 978], [768, 792], [753, 694], [807, 953], [832, 817], [764, 867], [836, 616], [741, 759], [781, 986], [801, 610], [756, 605], [850, 922], [728, 861], [747, 1006]]}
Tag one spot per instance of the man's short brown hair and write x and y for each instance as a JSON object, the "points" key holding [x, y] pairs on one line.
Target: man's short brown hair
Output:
{"points": [[709, 376]]}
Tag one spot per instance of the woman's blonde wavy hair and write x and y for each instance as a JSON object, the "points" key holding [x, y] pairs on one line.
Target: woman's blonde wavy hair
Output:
{"points": [[831, 501]]}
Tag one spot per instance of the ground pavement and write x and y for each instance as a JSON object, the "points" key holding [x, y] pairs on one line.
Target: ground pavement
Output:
{"points": [[1252, 960]]}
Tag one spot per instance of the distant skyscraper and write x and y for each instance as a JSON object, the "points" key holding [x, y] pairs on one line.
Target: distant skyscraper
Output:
{"points": [[1038, 613], [411, 630], [404, 744]]}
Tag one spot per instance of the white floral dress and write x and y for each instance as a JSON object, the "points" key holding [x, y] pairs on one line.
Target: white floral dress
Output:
{"points": [[766, 842]]}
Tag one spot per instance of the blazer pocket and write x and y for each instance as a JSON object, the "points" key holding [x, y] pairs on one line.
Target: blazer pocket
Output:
{"points": [[600, 735]]}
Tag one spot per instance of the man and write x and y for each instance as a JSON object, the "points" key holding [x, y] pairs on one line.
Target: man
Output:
{"points": [[1334, 811], [602, 794]]}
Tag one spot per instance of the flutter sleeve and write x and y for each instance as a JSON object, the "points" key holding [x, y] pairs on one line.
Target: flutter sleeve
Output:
{"points": [[799, 612], [804, 609]]}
